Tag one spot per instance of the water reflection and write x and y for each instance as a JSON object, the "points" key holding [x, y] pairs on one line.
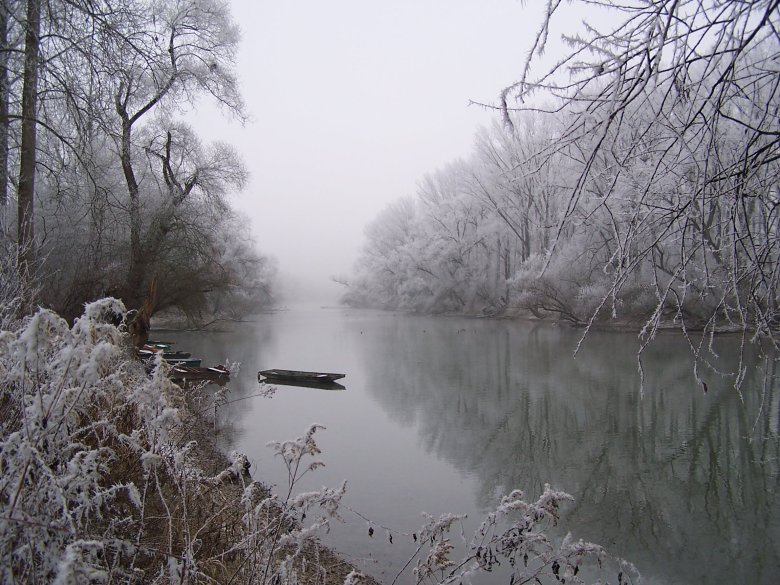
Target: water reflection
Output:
{"points": [[683, 483], [238, 346], [674, 475]]}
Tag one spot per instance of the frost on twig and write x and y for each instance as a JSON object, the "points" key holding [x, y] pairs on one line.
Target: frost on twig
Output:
{"points": [[238, 470]]}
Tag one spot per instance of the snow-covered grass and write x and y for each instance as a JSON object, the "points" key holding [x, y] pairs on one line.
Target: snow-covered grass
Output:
{"points": [[102, 480], [99, 482]]}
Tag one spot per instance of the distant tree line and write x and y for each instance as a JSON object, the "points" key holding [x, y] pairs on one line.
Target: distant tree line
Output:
{"points": [[108, 185], [637, 179]]}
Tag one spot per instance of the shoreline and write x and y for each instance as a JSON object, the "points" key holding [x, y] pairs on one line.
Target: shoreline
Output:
{"points": [[619, 325], [323, 565]]}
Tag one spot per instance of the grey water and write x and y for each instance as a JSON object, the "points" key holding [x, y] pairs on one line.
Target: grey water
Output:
{"points": [[446, 414]]}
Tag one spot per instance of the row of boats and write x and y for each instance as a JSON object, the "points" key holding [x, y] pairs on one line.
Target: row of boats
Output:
{"points": [[187, 368]]}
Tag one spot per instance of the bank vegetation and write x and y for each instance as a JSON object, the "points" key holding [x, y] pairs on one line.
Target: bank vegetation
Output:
{"points": [[633, 182], [104, 182]]}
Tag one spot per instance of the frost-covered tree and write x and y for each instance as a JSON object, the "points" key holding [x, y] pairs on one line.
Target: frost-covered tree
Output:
{"points": [[671, 117], [122, 186], [221, 277], [473, 227], [378, 270], [187, 49], [634, 180], [5, 94], [25, 190]]}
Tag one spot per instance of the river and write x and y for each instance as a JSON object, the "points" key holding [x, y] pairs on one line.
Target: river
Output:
{"points": [[446, 414]]}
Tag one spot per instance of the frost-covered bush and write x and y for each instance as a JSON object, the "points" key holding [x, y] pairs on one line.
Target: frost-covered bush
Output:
{"points": [[102, 482], [282, 528], [567, 289], [98, 481], [574, 286], [11, 294], [76, 408], [516, 539]]}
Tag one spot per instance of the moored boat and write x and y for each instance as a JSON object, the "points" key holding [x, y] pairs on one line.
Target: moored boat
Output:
{"points": [[147, 352], [304, 384], [176, 358], [218, 374], [299, 376], [164, 345], [188, 362], [172, 355]]}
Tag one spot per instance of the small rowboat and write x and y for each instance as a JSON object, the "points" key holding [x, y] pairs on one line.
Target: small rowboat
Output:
{"points": [[217, 374], [304, 384], [172, 355], [164, 345], [188, 362], [147, 352], [178, 358], [293, 376]]}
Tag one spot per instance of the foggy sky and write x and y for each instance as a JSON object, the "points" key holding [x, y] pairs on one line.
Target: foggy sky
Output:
{"points": [[352, 102]]}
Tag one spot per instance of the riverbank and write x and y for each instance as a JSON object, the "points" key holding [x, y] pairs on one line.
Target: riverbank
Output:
{"points": [[316, 563], [670, 323], [109, 474]]}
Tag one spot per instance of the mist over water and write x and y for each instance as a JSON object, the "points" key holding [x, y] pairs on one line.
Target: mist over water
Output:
{"points": [[302, 291], [444, 414]]}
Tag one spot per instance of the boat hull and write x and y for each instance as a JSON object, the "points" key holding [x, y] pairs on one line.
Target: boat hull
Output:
{"points": [[189, 362], [218, 375], [304, 384], [292, 376]]}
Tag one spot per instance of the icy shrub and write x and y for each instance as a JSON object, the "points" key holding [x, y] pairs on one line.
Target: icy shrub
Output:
{"points": [[11, 290], [98, 479], [515, 539], [76, 410]]}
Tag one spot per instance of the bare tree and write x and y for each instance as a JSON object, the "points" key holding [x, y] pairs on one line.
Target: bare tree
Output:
{"points": [[28, 155], [5, 50], [188, 48], [672, 119]]}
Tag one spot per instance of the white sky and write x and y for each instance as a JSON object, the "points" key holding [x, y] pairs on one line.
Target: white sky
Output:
{"points": [[352, 102]]}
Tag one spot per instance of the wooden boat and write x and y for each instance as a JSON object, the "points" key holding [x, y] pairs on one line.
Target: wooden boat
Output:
{"points": [[147, 352], [164, 345], [276, 375], [177, 358], [217, 374], [172, 355], [190, 362], [318, 385]]}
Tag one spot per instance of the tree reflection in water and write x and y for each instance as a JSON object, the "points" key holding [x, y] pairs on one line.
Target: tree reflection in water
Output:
{"points": [[682, 483], [676, 479]]}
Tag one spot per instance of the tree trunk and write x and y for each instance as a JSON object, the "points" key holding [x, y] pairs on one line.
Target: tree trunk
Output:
{"points": [[5, 19], [135, 273], [28, 155], [525, 254]]}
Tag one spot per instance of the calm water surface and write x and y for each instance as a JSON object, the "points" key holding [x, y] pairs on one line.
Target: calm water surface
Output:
{"points": [[446, 414]]}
